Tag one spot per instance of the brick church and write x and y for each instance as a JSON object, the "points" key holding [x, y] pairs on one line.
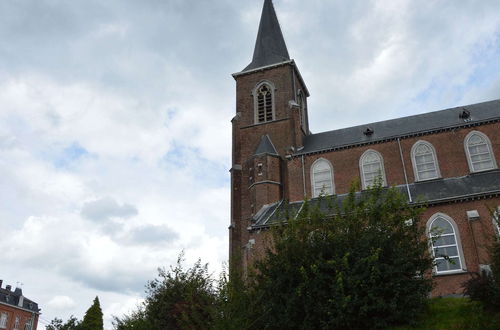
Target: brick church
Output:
{"points": [[448, 158]]}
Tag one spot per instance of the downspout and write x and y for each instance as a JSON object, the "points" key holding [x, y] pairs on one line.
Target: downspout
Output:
{"points": [[404, 171], [474, 243], [303, 176]]}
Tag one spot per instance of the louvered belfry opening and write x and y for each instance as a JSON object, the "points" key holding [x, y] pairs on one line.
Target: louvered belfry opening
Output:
{"points": [[264, 104]]}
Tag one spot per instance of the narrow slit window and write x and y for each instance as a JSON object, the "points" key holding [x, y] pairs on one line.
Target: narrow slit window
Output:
{"points": [[302, 107], [496, 221]]}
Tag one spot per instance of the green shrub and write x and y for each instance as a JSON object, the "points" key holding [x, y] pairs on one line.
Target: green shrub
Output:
{"points": [[360, 268]]}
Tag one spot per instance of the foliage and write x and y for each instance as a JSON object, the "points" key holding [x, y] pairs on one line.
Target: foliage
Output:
{"points": [[190, 299], [455, 313], [91, 321], [234, 301], [485, 286], [93, 317], [137, 320], [181, 299], [360, 268], [57, 324]]}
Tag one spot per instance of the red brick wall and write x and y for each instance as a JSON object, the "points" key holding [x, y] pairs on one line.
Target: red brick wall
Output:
{"points": [[449, 149], [247, 199], [14, 312]]}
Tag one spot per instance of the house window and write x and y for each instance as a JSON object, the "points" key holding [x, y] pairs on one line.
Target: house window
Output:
{"points": [[264, 103], [27, 325], [446, 249], [424, 160], [3, 320], [16, 323], [371, 165], [322, 178], [479, 152]]}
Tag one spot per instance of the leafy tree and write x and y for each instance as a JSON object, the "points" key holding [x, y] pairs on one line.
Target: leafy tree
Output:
{"points": [[137, 320], [190, 299], [181, 299], [93, 317], [234, 301], [362, 267], [57, 324]]}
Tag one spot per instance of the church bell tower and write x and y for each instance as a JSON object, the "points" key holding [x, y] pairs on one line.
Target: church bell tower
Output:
{"points": [[270, 122]]}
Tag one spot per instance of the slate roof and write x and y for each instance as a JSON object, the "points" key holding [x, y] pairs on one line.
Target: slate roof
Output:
{"points": [[270, 47], [12, 298], [266, 146], [402, 127], [473, 186]]}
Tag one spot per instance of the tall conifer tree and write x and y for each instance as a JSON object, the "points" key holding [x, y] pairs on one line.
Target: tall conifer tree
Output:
{"points": [[93, 317]]}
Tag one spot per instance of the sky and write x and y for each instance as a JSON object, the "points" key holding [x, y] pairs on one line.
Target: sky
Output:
{"points": [[115, 134]]}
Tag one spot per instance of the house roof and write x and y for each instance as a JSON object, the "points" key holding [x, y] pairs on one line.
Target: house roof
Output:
{"points": [[270, 47], [473, 186], [430, 122], [266, 146], [12, 298]]}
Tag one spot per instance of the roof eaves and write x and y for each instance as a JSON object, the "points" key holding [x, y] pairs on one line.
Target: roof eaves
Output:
{"points": [[435, 201], [262, 68]]}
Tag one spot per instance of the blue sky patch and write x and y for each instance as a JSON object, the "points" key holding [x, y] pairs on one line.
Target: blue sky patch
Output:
{"points": [[70, 155]]}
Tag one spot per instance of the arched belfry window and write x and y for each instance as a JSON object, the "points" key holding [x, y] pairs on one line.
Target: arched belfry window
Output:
{"points": [[264, 102], [479, 152], [322, 178], [445, 243], [371, 165], [424, 159]]}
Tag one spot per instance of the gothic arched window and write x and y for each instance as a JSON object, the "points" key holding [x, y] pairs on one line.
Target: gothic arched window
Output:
{"points": [[322, 178], [445, 241], [371, 165], [479, 152], [424, 160], [264, 102]]}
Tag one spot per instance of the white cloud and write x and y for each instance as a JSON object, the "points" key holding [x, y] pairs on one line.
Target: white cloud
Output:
{"points": [[61, 302]]}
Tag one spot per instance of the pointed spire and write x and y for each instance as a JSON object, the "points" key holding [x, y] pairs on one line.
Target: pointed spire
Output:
{"points": [[266, 146], [270, 47]]}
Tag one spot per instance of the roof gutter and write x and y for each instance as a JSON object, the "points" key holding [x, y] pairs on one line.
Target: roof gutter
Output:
{"points": [[21, 308]]}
